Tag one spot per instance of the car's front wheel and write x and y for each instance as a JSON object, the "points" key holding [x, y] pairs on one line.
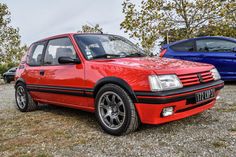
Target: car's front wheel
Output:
{"points": [[115, 110], [7, 80], [24, 101]]}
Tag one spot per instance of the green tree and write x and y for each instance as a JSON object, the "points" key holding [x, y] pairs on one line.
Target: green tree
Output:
{"points": [[90, 29], [11, 50], [219, 30], [178, 18]]}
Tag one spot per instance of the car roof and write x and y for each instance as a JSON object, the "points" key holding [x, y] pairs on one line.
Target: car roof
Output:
{"points": [[197, 38], [71, 34]]}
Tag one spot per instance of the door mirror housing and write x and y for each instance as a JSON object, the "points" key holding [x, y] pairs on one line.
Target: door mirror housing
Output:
{"points": [[68, 60]]}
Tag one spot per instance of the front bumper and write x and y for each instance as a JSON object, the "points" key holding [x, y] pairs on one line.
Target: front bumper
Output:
{"points": [[150, 104]]}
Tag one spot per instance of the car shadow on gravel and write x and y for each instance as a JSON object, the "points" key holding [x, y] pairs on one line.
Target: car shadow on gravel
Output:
{"points": [[230, 82], [84, 117]]}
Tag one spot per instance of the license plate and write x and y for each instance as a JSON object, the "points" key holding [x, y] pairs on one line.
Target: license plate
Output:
{"points": [[205, 95]]}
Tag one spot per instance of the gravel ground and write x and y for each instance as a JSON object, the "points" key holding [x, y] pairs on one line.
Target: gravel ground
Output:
{"points": [[57, 131]]}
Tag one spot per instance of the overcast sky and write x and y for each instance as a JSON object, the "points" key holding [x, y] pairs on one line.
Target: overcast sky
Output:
{"points": [[38, 19]]}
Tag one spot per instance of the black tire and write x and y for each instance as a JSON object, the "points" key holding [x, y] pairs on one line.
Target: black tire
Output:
{"points": [[129, 122], [30, 104], [7, 80]]}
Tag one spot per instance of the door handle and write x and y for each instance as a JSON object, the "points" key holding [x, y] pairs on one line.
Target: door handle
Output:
{"points": [[41, 72]]}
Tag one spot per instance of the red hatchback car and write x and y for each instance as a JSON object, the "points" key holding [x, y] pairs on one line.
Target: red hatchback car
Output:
{"points": [[112, 77]]}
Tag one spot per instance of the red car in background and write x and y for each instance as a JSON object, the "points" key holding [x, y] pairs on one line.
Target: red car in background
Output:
{"points": [[112, 77]]}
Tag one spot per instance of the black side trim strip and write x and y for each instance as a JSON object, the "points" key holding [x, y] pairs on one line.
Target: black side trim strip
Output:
{"points": [[60, 87], [180, 91], [168, 100], [85, 92]]}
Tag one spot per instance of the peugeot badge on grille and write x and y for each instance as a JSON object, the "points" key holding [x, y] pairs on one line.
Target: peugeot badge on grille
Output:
{"points": [[200, 78]]}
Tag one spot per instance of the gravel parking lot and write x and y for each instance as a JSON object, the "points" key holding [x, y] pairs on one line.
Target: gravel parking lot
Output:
{"points": [[57, 131]]}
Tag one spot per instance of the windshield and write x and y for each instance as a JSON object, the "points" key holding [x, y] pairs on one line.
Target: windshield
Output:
{"points": [[95, 46]]}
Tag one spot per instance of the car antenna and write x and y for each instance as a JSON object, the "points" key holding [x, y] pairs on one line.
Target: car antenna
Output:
{"points": [[99, 30]]}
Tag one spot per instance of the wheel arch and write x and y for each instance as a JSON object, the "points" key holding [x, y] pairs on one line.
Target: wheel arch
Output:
{"points": [[20, 80], [114, 80]]}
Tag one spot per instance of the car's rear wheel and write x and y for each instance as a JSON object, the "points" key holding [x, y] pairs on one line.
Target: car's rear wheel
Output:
{"points": [[24, 101], [115, 110]]}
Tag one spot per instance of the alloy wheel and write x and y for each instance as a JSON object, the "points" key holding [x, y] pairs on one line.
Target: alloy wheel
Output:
{"points": [[21, 97], [111, 110]]}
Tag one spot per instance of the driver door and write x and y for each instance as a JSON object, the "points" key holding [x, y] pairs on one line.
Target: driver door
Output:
{"points": [[63, 83]]}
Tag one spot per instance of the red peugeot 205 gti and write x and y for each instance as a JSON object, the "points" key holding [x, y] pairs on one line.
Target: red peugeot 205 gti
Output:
{"points": [[112, 77]]}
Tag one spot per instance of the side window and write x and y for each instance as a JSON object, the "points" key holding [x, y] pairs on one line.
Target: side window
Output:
{"points": [[35, 54], [56, 48], [215, 45], [187, 46]]}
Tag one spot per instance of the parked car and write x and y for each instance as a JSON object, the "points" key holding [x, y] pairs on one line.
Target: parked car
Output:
{"points": [[112, 77], [219, 51], [9, 75]]}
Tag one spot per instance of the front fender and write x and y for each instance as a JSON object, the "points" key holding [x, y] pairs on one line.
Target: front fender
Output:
{"points": [[118, 81]]}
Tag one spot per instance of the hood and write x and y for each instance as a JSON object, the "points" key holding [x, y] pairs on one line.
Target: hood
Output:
{"points": [[160, 65]]}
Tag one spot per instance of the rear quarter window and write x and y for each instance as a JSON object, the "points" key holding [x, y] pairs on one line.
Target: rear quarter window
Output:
{"points": [[187, 46], [35, 54], [215, 45]]}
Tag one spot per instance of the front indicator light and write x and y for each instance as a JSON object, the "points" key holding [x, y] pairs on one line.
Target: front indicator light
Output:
{"points": [[168, 111], [215, 74]]}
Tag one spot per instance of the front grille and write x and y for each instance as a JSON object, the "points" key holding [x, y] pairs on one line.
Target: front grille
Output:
{"points": [[196, 78]]}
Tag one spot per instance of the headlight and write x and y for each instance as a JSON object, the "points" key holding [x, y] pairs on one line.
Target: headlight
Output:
{"points": [[215, 74], [164, 82]]}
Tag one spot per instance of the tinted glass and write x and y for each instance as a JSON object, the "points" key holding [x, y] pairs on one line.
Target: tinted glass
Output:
{"points": [[56, 48], [184, 46], [94, 46], [35, 55], [215, 45]]}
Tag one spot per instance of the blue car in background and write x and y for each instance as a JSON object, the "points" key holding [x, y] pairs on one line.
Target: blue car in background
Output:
{"points": [[219, 51]]}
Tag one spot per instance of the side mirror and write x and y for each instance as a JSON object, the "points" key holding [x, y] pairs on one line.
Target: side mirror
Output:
{"points": [[234, 49], [68, 60]]}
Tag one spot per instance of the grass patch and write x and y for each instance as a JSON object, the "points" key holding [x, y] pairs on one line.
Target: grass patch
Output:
{"points": [[218, 144], [24, 154], [230, 109], [44, 155], [232, 129]]}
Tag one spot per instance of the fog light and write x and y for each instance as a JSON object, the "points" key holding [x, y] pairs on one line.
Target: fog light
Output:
{"points": [[167, 111]]}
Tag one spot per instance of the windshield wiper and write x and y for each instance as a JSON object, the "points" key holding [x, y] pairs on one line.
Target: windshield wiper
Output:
{"points": [[137, 54], [105, 56]]}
